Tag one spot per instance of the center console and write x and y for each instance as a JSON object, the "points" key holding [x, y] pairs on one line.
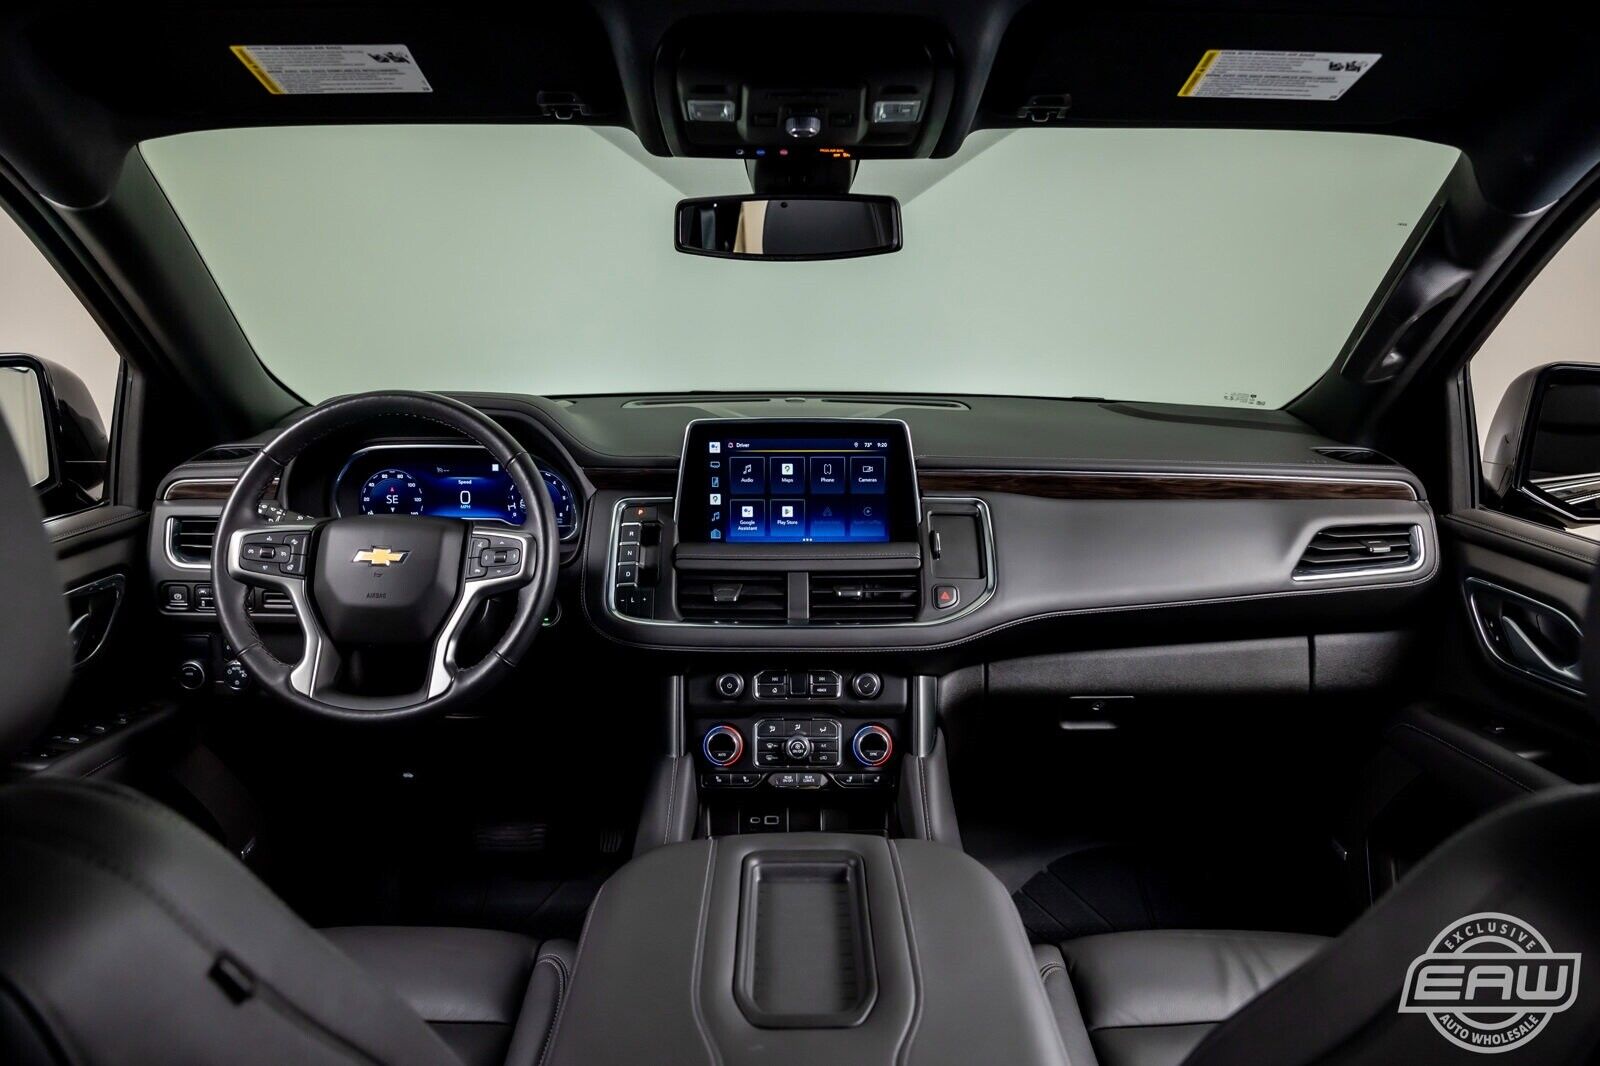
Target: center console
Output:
{"points": [[806, 948], [814, 746]]}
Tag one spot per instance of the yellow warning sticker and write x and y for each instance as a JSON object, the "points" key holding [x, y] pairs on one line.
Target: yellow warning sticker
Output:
{"points": [[1240, 74], [322, 69]]}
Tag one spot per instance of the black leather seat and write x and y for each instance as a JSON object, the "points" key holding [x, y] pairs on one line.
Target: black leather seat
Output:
{"points": [[128, 936], [490, 996], [1203, 999], [1150, 996]]}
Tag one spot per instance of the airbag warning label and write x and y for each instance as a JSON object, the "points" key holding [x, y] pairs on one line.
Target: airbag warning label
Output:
{"points": [[320, 69], [1246, 75]]}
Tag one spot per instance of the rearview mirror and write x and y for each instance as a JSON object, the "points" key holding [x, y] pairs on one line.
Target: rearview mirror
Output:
{"points": [[789, 227], [1544, 444]]}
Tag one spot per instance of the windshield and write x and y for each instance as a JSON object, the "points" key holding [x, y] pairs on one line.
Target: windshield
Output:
{"points": [[1190, 266]]}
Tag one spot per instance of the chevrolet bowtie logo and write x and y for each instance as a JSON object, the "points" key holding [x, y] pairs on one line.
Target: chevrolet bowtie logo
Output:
{"points": [[380, 556]]}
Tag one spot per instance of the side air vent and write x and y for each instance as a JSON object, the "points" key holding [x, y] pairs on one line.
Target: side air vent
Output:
{"points": [[865, 597], [191, 539], [1340, 551], [1359, 456], [734, 597]]}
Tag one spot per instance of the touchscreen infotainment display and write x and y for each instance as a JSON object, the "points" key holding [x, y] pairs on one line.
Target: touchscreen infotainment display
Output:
{"points": [[747, 481]]}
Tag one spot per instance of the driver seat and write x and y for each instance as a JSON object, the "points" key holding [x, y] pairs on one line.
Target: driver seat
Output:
{"points": [[128, 936]]}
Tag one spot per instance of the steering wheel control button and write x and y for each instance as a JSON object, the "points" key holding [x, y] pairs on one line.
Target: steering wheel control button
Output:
{"points": [[730, 686], [294, 566], [866, 686], [723, 744], [946, 596], [872, 745]]}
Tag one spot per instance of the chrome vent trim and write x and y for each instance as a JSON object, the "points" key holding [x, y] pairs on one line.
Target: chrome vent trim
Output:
{"points": [[191, 540], [1368, 549]]}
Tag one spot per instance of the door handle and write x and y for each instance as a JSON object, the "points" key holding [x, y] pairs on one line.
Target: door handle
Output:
{"points": [[1526, 635], [1525, 649], [92, 609]]}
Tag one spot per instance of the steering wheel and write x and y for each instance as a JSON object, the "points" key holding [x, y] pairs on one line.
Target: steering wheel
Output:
{"points": [[384, 583]]}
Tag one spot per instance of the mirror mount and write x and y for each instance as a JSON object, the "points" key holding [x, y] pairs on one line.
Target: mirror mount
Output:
{"points": [[813, 172]]}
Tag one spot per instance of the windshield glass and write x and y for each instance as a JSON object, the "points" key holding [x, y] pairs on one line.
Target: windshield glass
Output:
{"points": [[1190, 266]]}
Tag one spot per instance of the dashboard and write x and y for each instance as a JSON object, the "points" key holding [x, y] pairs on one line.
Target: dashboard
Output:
{"points": [[924, 526], [445, 481]]}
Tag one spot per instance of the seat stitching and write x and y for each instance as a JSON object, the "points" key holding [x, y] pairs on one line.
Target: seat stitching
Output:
{"points": [[927, 807], [672, 802], [561, 997], [561, 1004]]}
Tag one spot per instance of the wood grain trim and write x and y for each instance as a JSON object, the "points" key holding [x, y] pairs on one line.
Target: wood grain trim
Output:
{"points": [[1079, 485], [195, 489]]}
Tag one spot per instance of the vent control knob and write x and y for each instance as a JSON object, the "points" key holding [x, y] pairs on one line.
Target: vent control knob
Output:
{"points": [[872, 745], [723, 744]]}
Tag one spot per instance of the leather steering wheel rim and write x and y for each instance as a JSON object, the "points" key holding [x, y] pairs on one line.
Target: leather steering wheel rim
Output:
{"points": [[535, 585]]}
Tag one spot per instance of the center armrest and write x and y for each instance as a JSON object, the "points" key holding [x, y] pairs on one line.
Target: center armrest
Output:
{"points": [[805, 947]]}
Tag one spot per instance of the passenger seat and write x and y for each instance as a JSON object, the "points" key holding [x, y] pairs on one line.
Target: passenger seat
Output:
{"points": [[1149, 997], [1205, 998]]}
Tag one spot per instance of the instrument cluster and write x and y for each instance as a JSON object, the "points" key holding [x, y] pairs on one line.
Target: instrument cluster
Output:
{"points": [[444, 480]]}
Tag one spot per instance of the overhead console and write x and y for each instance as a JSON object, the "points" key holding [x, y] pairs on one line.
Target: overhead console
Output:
{"points": [[798, 523], [768, 87]]}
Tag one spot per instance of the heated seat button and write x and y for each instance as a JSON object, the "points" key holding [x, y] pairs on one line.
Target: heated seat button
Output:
{"points": [[824, 684]]}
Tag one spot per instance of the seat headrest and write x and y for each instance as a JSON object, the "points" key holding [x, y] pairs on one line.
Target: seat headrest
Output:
{"points": [[33, 615]]}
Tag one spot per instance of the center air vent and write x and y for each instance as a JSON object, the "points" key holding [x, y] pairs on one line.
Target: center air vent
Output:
{"points": [[1354, 550], [734, 597], [865, 597], [191, 539]]}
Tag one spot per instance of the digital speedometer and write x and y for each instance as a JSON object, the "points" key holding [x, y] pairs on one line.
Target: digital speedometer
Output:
{"points": [[392, 492], [448, 481]]}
